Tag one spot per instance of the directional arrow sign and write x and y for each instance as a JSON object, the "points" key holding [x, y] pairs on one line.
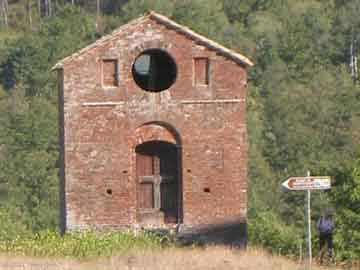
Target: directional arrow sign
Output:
{"points": [[308, 183]]}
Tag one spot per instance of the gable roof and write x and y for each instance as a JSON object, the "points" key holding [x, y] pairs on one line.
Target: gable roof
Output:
{"points": [[239, 58]]}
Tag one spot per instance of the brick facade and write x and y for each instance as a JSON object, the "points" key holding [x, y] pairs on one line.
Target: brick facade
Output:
{"points": [[101, 126]]}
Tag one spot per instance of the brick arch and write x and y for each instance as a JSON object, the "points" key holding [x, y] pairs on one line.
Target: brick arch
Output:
{"points": [[158, 134], [150, 44], [156, 131]]}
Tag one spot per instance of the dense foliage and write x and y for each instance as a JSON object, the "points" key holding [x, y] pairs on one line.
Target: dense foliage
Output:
{"points": [[303, 111]]}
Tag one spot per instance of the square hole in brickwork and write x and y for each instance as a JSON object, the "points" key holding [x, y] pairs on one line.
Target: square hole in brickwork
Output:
{"points": [[110, 72], [201, 71]]}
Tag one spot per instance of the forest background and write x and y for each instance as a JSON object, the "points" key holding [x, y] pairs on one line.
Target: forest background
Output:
{"points": [[303, 105]]}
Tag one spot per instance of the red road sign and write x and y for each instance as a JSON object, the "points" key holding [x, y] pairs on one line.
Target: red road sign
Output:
{"points": [[308, 183]]}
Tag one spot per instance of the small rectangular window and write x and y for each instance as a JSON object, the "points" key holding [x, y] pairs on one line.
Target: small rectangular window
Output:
{"points": [[110, 72], [201, 70]]}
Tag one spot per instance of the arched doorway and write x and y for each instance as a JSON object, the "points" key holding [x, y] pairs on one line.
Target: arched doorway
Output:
{"points": [[158, 181]]}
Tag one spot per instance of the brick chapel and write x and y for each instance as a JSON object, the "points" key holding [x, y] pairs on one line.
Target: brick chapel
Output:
{"points": [[153, 130]]}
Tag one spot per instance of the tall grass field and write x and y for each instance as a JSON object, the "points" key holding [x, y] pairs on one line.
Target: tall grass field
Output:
{"points": [[124, 250], [190, 258]]}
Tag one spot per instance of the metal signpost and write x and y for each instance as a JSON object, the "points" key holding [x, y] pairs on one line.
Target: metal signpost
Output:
{"points": [[307, 184]]}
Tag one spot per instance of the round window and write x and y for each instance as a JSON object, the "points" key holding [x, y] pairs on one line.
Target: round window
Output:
{"points": [[154, 70]]}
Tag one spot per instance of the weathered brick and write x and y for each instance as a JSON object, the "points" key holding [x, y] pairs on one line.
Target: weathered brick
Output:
{"points": [[101, 126]]}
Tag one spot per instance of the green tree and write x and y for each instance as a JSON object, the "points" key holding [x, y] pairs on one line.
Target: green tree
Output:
{"points": [[29, 169], [346, 197], [135, 8]]}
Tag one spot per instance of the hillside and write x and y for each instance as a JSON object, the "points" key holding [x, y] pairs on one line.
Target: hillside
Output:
{"points": [[303, 105]]}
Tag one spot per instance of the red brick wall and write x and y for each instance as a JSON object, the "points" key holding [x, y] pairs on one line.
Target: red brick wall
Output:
{"points": [[100, 126]]}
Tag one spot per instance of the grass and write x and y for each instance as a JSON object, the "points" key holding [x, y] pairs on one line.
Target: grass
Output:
{"points": [[122, 250], [212, 258], [79, 245]]}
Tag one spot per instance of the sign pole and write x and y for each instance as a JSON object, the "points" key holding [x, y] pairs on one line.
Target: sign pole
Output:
{"points": [[307, 184], [309, 222]]}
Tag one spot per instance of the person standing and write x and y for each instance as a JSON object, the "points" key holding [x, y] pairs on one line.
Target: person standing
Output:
{"points": [[325, 226]]}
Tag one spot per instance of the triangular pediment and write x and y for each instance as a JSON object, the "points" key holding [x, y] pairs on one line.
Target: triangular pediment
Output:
{"points": [[161, 19]]}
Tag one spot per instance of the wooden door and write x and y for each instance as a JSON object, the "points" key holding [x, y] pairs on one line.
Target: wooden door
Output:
{"points": [[157, 173], [145, 175]]}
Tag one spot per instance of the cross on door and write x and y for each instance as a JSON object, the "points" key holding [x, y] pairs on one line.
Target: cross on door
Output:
{"points": [[150, 181], [157, 180]]}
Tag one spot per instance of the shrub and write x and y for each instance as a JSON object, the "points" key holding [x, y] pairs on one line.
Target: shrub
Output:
{"points": [[266, 229]]}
